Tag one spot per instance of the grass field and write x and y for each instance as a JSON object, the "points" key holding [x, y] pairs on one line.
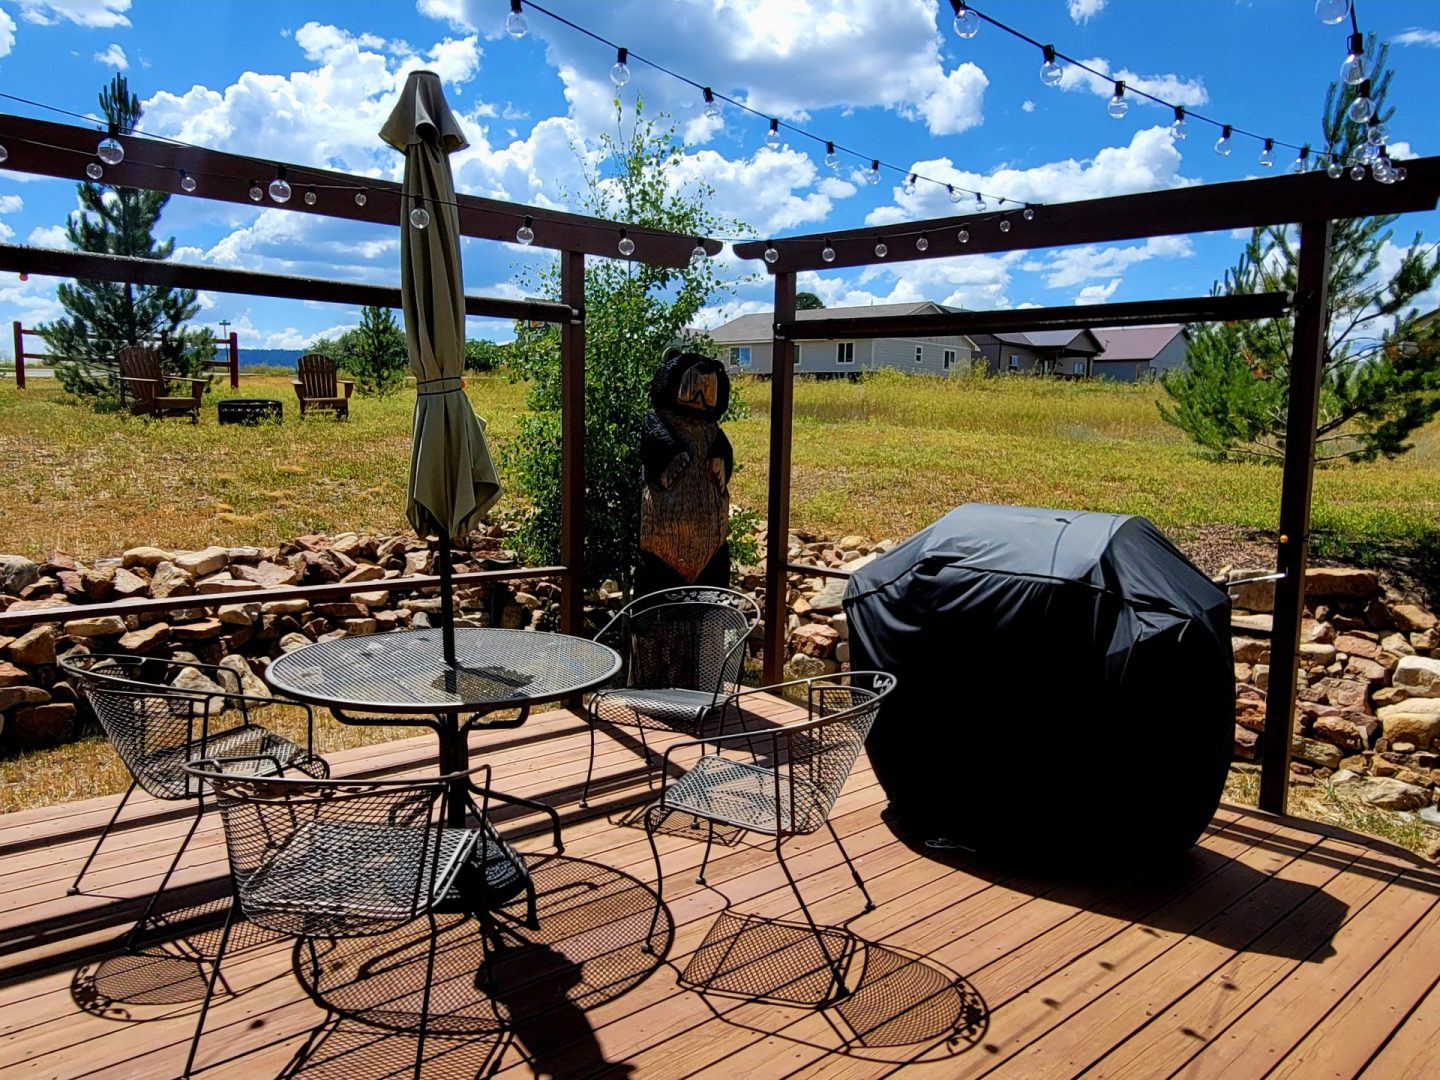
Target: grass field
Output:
{"points": [[880, 457]]}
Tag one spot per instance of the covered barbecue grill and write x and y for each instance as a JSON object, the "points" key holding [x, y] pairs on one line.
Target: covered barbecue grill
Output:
{"points": [[1065, 690]]}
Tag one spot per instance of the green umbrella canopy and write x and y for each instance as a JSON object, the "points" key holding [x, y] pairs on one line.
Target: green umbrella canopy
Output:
{"points": [[452, 479]]}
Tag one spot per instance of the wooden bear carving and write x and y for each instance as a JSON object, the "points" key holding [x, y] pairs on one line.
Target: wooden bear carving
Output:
{"points": [[685, 507]]}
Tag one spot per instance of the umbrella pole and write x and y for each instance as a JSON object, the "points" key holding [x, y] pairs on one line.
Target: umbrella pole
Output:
{"points": [[447, 598]]}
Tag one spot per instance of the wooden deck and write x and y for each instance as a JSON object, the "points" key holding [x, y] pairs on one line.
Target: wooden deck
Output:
{"points": [[1277, 948]]}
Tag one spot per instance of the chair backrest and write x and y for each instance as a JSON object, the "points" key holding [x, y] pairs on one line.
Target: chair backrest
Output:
{"points": [[140, 362], [815, 756], [154, 732], [317, 376], [329, 858], [682, 645]]}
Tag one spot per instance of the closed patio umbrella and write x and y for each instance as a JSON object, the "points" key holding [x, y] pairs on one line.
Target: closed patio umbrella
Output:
{"points": [[452, 479]]}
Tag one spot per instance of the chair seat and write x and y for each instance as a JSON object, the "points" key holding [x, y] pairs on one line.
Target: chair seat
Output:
{"points": [[341, 878], [176, 402], [325, 400], [665, 708], [740, 794], [161, 768]]}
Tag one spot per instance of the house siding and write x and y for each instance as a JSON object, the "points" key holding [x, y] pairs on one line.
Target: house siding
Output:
{"points": [[818, 357], [1169, 358]]}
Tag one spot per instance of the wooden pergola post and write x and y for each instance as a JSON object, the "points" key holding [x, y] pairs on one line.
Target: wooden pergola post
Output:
{"points": [[777, 513], [1306, 364], [572, 442]]}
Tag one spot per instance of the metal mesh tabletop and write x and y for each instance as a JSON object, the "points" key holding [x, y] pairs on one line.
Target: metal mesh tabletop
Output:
{"points": [[404, 671]]}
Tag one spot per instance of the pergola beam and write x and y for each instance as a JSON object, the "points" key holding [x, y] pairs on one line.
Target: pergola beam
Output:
{"points": [[1133, 313], [49, 262], [1241, 204], [63, 150]]}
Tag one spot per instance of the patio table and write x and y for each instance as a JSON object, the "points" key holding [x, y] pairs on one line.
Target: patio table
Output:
{"points": [[402, 676]]}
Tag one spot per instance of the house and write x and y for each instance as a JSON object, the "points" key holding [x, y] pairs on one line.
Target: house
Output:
{"points": [[1133, 353], [1064, 353], [746, 343]]}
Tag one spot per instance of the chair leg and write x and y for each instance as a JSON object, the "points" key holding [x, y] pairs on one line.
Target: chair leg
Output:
{"points": [[75, 888], [210, 986], [133, 940], [869, 903], [650, 826], [425, 996], [841, 990], [590, 769], [705, 859]]}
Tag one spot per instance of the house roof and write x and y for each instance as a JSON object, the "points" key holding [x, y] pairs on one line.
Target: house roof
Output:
{"points": [[761, 325], [1136, 342], [1074, 341]]}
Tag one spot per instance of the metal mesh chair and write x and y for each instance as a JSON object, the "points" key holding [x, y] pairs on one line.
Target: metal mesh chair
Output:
{"points": [[338, 859], [781, 782], [682, 649], [157, 729]]}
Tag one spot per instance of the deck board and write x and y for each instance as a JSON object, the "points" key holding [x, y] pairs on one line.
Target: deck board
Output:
{"points": [[1274, 948]]}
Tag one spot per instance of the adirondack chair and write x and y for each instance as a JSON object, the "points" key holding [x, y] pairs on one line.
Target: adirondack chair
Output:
{"points": [[318, 388], [145, 389]]}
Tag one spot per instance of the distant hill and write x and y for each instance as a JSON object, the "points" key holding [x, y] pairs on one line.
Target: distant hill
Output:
{"points": [[287, 358]]}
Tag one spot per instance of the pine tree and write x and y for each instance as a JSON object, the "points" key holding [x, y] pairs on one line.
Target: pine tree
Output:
{"points": [[373, 352], [1381, 374], [102, 316]]}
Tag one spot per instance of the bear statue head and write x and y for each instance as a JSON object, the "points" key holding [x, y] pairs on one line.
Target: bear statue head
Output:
{"points": [[690, 385]]}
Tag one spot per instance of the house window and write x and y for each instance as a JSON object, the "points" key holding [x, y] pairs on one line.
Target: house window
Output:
{"points": [[844, 352], [919, 354], [1014, 361], [740, 356], [1078, 367], [949, 358]]}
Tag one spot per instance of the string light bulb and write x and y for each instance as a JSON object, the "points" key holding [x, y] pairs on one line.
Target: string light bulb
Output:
{"points": [[256, 191], [361, 198], [922, 242], [516, 25], [963, 236], [979, 203], [1362, 108], [967, 23], [626, 245], [94, 171], [772, 253], [526, 233], [881, 249], [1353, 71], [1357, 171], [187, 182], [1004, 224], [1302, 161], [832, 159], [4, 155], [955, 195], [1028, 213], [620, 71], [873, 177], [698, 254], [1376, 133], [109, 149], [772, 137], [908, 188], [827, 253], [311, 196], [1051, 73], [1222, 144], [280, 187], [1334, 167], [1180, 129], [1118, 106], [1267, 155], [420, 217], [1332, 12], [712, 105]]}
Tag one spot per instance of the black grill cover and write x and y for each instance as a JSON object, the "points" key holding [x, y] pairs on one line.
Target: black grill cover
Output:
{"points": [[1065, 685]]}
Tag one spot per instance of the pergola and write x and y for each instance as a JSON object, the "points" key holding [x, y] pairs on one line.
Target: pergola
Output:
{"points": [[1312, 201]]}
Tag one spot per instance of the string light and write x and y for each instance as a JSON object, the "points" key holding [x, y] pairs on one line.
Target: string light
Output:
{"points": [[94, 171], [908, 188], [516, 25], [360, 197], [1302, 160], [881, 248], [1334, 167], [420, 217], [955, 195], [979, 203], [626, 245], [4, 155], [526, 233], [1353, 71], [1222, 144], [1267, 155], [1180, 129], [874, 176], [712, 107], [1331, 12], [922, 242], [698, 254], [311, 197], [280, 187], [1376, 132], [967, 23], [1028, 214], [109, 149], [1118, 106], [1051, 73], [256, 193], [963, 236], [772, 137], [772, 253], [832, 159], [187, 182], [1362, 108], [827, 253], [1004, 224], [620, 71]]}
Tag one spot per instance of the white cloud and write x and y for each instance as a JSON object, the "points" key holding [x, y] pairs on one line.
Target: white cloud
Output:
{"points": [[1071, 266], [1085, 10], [1171, 88], [1097, 294], [1417, 36], [113, 57], [11, 204], [284, 242], [7, 33], [90, 13], [1027, 106], [48, 236], [768, 192]]}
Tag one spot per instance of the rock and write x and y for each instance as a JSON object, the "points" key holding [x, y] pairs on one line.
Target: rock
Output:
{"points": [[57, 604], [813, 639], [199, 683], [1344, 776], [1246, 743], [35, 647], [197, 631], [340, 611], [1427, 641], [127, 584], [98, 626], [145, 638], [1341, 733], [10, 696], [1253, 595], [1316, 752], [238, 614], [43, 725], [1418, 674], [268, 575], [1314, 652], [16, 573], [1243, 673], [1250, 651], [148, 557], [367, 572], [1317, 632], [1341, 581], [513, 617], [1250, 709], [206, 561], [1355, 645], [244, 554], [1390, 794], [291, 642], [803, 666], [72, 584], [1416, 721], [285, 607], [97, 584], [1342, 693], [378, 598], [1357, 667], [250, 683], [827, 600], [1397, 645], [1260, 675], [171, 580], [529, 601], [1412, 618], [358, 627], [1252, 624]]}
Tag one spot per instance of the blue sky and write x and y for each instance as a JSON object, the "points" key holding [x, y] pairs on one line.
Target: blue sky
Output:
{"points": [[311, 81]]}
